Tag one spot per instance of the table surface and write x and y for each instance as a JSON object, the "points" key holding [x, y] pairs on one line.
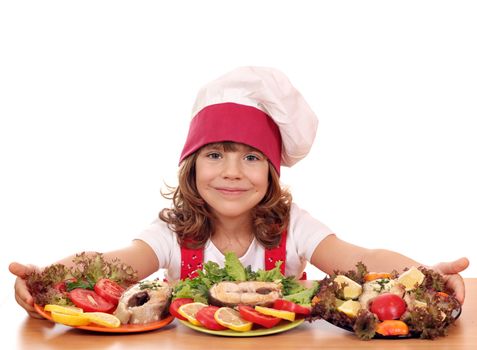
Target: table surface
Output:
{"points": [[22, 332]]}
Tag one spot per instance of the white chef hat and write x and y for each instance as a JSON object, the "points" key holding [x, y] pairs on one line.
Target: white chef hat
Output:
{"points": [[257, 106]]}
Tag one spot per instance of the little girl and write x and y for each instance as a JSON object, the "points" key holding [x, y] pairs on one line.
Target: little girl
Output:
{"points": [[245, 125]]}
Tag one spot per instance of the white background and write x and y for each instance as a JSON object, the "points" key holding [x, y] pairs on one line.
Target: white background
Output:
{"points": [[95, 99]]}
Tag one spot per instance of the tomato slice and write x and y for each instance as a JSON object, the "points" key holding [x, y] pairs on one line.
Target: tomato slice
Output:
{"points": [[282, 304], [89, 301], [206, 318], [109, 290], [248, 313], [176, 304]]}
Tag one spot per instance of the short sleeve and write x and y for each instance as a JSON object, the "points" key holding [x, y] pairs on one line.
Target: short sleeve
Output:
{"points": [[306, 232], [162, 240]]}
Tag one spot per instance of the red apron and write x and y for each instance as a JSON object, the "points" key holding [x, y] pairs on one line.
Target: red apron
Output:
{"points": [[193, 259]]}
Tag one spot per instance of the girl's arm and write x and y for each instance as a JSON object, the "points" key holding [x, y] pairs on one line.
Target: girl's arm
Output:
{"points": [[335, 254]]}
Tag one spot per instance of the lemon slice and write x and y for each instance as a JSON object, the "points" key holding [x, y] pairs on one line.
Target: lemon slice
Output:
{"points": [[103, 319], [66, 310], [286, 315], [70, 320], [190, 310], [230, 318]]}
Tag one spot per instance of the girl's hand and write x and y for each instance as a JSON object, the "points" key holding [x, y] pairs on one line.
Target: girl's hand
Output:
{"points": [[450, 271], [22, 295]]}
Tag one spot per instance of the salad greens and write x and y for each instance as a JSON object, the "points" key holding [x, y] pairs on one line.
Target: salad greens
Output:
{"points": [[86, 271], [198, 287]]}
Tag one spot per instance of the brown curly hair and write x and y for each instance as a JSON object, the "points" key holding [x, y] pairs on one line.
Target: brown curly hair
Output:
{"points": [[193, 222]]}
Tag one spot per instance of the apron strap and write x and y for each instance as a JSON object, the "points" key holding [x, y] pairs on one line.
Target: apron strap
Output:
{"points": [[278, 253], [191, 261]]}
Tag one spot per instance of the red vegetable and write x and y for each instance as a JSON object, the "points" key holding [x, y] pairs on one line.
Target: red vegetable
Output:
{"points": [[89, 301], [109, 290], [282, 304], [61, 286], [206, 318], [176, 304], [248, 313], [388, 306]]}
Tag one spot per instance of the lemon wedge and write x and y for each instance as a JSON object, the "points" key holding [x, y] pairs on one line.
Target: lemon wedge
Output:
{"points": [[230, 318], [350, 308], [351, 289], [411, 278], [190, 310], [103, 319], [70, 320]]}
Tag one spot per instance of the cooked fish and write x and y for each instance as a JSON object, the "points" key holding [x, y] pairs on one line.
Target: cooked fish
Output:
{"points": [[374, 288], [246, 293], [144, 302]]}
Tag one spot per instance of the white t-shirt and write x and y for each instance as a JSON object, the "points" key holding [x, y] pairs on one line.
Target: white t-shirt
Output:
{"points": [[303, 236]]}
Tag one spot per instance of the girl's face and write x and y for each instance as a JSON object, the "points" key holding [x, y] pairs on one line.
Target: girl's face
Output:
{"points": [[231, 182]]}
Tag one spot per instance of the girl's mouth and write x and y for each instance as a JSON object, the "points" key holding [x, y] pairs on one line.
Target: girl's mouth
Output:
{"points": [[230, 190]]}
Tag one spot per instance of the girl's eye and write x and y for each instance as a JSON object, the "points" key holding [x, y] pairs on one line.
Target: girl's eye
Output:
{"points": [[251, 157], [214, 155]]}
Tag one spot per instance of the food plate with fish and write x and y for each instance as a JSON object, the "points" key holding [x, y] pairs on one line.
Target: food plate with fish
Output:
{"points": [[238, 302], [99, 295], [413, 304]]}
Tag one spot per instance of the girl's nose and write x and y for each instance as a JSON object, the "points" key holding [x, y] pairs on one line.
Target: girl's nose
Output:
{"points": [[232, 168]]}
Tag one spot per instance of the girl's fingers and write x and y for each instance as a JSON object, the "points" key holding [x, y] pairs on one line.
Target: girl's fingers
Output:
{"points": [[21, 270], [451, 271], [453, 267], [22, 293]]}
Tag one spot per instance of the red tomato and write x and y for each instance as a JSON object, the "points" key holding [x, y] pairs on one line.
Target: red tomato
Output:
{"points": [[89, 301], [206, 317], [388, 306], [248, 313], [109, 290], [61, 286], [176, 304], [282, 304]]}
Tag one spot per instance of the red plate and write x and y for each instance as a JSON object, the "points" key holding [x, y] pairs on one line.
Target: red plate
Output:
{"points": [[126, 328]]}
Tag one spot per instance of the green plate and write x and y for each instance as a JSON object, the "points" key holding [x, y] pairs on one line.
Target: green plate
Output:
{"points": [[282, 327]]}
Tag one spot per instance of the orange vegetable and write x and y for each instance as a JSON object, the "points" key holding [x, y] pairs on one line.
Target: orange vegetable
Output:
{"points": [[392, 327], [442, 295], [376, 275]]}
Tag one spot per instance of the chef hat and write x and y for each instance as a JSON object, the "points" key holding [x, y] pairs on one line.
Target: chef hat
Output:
{"points": [[256, 106]]}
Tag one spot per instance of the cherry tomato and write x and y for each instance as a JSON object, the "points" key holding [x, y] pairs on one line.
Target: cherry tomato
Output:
{"points": [[109, 290], [282, 304], [89, 301], [388, 306], [248, 313], [176, 304], [206, 318]]}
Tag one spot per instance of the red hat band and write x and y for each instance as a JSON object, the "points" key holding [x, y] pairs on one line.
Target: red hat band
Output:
{"points": [[237, 123]]}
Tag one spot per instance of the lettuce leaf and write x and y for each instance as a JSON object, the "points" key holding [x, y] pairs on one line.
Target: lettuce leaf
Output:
{"points": [[234, 267]]}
